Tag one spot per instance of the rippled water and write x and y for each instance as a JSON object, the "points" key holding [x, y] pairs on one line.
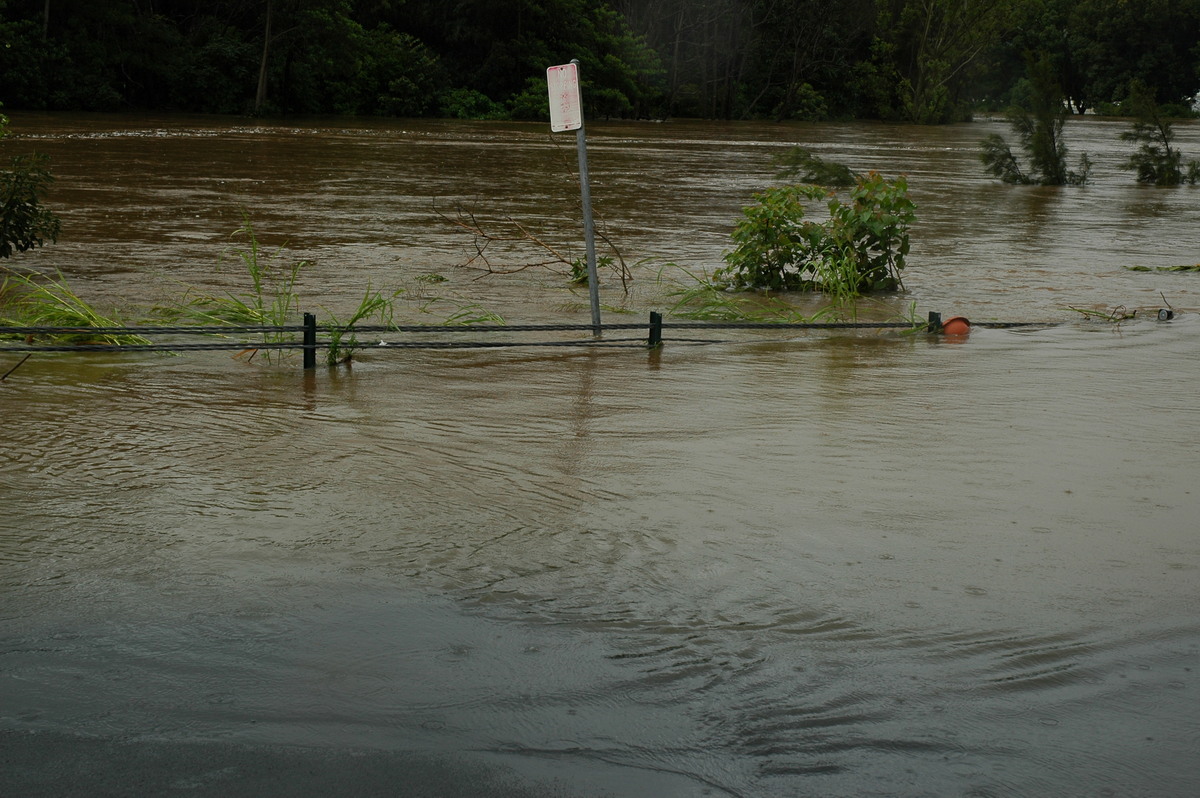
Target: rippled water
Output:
{"points": [[813, 564]]}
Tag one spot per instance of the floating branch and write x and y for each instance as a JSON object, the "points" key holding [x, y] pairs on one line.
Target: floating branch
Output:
{"points": [[490, 240], [1118, 314]]}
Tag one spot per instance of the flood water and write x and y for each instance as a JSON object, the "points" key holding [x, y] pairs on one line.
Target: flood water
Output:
{"points": [[789, 564]]}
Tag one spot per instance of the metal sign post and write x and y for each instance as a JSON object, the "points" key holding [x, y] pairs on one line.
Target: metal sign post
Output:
{"points": [[566, 113]]}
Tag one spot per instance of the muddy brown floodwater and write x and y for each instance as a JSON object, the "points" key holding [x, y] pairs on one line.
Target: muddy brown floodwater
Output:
{"points": [[835, 564]]}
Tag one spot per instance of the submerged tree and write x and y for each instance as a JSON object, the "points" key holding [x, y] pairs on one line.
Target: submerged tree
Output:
{"points": [[1155, 161], [798, 162], [1038, 123]]}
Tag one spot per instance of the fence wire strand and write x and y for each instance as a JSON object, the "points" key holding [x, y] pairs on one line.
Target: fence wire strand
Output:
{"points": [[220, 332]]}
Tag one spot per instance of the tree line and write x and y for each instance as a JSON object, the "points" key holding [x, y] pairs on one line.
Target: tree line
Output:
{"points": [[927, 61]]}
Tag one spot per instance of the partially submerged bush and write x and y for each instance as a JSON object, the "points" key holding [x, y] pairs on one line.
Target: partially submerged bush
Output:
{"points": [[800, 163], [1155, 161], [1041, 138], [1039, 127], [860, 248], [24, 222]]}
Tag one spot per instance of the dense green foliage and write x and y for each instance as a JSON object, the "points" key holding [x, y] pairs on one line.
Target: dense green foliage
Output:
{"points": [[24, 222], [920, 60], [861, 247], [387, 57]]}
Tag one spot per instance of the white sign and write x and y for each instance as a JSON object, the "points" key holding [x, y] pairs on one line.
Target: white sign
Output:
{"points": [[566, 105]]}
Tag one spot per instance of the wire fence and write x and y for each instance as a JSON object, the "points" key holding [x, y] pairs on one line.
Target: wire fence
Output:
{"points": [[282, 337]]}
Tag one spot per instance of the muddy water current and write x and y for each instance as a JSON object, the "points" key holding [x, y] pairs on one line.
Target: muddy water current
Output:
{"points": [[805, 563]]}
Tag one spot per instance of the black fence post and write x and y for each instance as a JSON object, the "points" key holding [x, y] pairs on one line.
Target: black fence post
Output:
{"points": [[655, 337], [310, 341], [935, 322]]}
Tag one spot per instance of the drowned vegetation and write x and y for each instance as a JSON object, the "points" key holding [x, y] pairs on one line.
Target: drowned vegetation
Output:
{"points": [[859, 248]]}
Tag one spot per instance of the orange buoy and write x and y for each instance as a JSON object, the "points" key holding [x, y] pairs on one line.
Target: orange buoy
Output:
{"points": [[956, 325]]}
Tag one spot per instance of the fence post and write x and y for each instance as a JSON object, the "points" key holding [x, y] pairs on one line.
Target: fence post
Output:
{"points": [[655, 337], [935, 322], [310, 341]]}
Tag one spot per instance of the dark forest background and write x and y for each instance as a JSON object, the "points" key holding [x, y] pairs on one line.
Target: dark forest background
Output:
{"points": [[927, 61]]}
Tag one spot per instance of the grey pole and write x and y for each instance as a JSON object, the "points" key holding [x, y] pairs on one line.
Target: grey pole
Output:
{"points": [[589, 230]]}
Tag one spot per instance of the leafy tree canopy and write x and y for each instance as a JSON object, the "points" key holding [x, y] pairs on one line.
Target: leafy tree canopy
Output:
{"points": [[926, 61]]}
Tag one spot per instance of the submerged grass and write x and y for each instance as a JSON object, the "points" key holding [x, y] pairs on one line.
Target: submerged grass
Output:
{"points": [[342, 340], [271, 299], [28, 300], [466, 313]]}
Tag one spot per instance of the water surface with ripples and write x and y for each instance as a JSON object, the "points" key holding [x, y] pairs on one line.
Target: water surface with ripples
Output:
{"points": [[838, 564]]}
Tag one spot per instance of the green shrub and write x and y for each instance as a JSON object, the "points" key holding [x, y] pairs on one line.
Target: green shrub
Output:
{"points": [[871, 232], [24, 222], [803, 102], [772, 246], [470, 104], [531, 103], [861, 247]]}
